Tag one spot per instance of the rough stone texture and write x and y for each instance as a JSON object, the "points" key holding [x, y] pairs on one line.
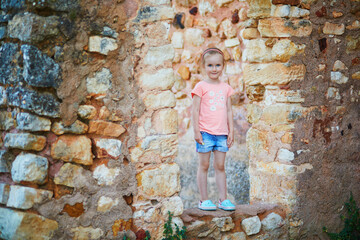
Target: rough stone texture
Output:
{"points": [[6, 120], [224, 224], [107, 148], [87, 111], [284, 49], [251, 225], [272, 222], [106, 128], [6, 159], [152, 14], [284, 28], [31, 122], [161, 100], [106, 203], [25, 141], [232, 42], [77, 127], [165, 121], [21, 225], [257, 51], [29, 167], [29, 27], [338, 77], [25, 197], [102, 45], [10, 72], [162, 79], [82, 233], [158, 55], [68, 175], [334, 29], [3, 99], [235, 236], [39, 69], [100, 83], [259, 8], [250, 33], [105, 176], [72, 149], [174, 205], [4, 193]]}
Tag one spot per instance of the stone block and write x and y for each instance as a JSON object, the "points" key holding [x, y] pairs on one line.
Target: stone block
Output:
{"points": [[205, 7], [184, 72], [334, 29], [281, 114], [158, 55], [25, 197], [229, 29], [233, 69], [356, 75], [162, 79], [278, 27], [87, 111], [273, 73], [100, 83], [285, 155], [110, 129], [289, 97], [39, 69], [235, 236], [4, 193], [22, 225], [257, 51], [232, 42], [25, 141], [75, 149], [163, 99], [256, 92], [280, 11], [296, 12], [102, 45], [194, 36], [223, 223], [29, 27], [77, 127], [259, 8], [338, 77], [106, 203], [85, 233], [339, 66], [177, 40], [257, 141], [68, 174], [333, 93], [31, 122], [253, 113], [352, 44], [10, 72], [105, 176], [174, 205], [29, 167], [222, 3], [284, 49], [251, 225], [250, 33], [163, 181], [148, 14], [6, 120], [165, 121], [6, 159], [3, 99], [8, 5], [107, 148], [44, 104], [272, 222]]}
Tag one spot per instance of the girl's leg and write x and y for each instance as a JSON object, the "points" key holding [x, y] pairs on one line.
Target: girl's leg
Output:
{"points": [[204, 161], [220, 176]]}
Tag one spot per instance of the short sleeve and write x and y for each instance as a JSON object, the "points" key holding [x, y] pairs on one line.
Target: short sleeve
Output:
{"points": [[198, 90], [230, 91]]}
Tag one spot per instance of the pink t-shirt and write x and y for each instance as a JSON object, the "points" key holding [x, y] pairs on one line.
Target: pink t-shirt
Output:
{"points": [[213, 111]]}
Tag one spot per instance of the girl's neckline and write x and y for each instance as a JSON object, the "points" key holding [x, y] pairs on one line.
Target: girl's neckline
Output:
{"points": [[218, 83]]}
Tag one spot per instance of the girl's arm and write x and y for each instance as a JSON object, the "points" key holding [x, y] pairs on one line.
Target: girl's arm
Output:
{"points": [[230, 140], [195, 118]]}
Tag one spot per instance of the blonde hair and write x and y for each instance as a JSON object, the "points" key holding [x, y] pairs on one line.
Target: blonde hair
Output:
{"points": [[209, 52]]}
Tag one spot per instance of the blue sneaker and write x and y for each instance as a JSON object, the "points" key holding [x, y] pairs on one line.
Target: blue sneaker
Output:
{"points": [[207, 205], [226, 205]]}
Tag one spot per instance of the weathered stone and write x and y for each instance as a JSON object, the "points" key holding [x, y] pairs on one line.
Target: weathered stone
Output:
{"points": [[184, 72], [85, 233], [58, 5], [6, 120], [232, 42], [205, 7], [8, 5], [179, 84], [30, 122], [4, 193], [158, 55], [160, 100], [338, 77], [3, 99], [77, 127], [41, 103], [67, 174], [289, 97], [280, 11], [253, 113], [177, 40], [107, 147], [194, 36], [75, 149], [105, 176], [250, 33], [235, 236], [25, 197], [10, 72], [352, 44], [290, 2], [25, 141], [228, 28], [174, 205], [272, 73], [333, 29], [29, 27], [283, 113], [355, 25], [22, 225], [149, 14], [3, 32], [102, 45], [6, 159], [162, 79], [232, 69], [285, 155], [163, 181], [165, 121], [259, 8], [224, 223], [278, 27], [87, 111], [39, 69], [333, 92], [257, 51], [251, 225], [186, 3], [106, 203], [356, 75], [256, 141], [221, 3], [284, 49], [106, 128], [272, 222], [29, 167], [339, 65], [100, 83], [296, 12]]}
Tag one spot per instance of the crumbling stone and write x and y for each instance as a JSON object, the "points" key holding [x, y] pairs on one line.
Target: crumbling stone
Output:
{"points": [[29, 167]]}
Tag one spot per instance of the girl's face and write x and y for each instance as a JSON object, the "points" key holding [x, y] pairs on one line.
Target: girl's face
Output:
{"points": [[214, 65]]}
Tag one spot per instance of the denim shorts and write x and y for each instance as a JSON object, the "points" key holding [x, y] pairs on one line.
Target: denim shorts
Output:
{"points": [[212, 143]]}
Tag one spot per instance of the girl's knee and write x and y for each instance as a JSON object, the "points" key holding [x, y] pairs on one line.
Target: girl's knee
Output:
{"points": [[219, 167]]}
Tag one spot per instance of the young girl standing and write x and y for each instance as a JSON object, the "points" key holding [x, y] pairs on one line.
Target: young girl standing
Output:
{"points": [[213, 127]]}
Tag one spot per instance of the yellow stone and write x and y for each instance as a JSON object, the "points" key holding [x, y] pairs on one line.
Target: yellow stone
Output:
{"points": [[277, 27], [356, 75], [250, 33]]}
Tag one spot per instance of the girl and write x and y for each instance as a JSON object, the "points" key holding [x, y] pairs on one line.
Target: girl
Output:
{"points": [[213, 126]]}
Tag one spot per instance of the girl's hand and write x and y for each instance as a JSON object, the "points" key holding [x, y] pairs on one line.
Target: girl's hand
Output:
{"points": [[230, 140], [198, 138]]}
